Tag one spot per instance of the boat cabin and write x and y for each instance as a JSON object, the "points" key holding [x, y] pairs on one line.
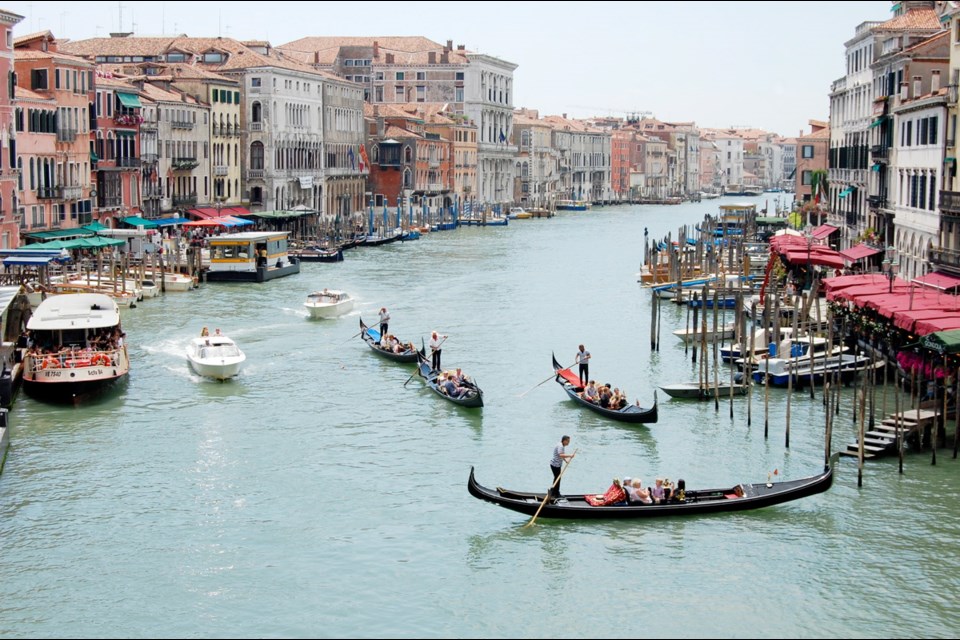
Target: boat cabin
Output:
{"points": [[250, 256]]}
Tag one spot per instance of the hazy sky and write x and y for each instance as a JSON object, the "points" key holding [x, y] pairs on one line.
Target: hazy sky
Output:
{"points": [[762, 64]]}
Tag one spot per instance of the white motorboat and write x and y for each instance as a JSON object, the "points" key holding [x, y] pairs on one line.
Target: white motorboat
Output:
{"points": [[173, 281], [215, 356], [78, 347], [696, 334], [328, 303]]}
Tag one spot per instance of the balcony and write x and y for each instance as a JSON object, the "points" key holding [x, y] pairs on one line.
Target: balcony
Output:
{"points": [[255, 174], [181, 124], [950, 203], [149, 158], [185, 164], [128, 163], [46, 193], [111, 202], [877, 202], [220, 170], [70, 193], [949, 258], [148, 125], [128, 119], [256, 126], [879, 152], [66, 135], [185, 201], [433, 163]]}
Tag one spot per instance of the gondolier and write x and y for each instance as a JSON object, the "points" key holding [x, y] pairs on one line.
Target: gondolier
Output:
{"points": [[556, 464], [384, 319], [583, 359], [435, 343]]}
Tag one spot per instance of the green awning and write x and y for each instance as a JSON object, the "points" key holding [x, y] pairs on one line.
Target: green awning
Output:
{"points": [[875, 167], [94, 157], [877, 122], [58, 233], [129, 100], [94, 226], [125, 132], [949, 159], [943, 341], [137, 221], [845, 192]]}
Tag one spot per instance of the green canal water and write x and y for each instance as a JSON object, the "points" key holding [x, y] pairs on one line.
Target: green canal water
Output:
{"points": [[321, 495]]}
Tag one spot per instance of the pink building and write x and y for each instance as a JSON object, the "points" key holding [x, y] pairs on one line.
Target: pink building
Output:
{"points": [[9, 234]]}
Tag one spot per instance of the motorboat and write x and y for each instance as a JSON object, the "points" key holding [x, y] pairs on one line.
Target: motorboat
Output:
{"points": [[761, 340], [518, 213], [78, 347], [215, 356], [328, 303], [791, 355], [173, 281], [696, 334]]}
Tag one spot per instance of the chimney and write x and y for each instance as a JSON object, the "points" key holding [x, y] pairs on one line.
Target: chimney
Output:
{"points": [[445, 58], [935, 81], [389, 58], [432, 57], [564, 116], [449, 46], [917, 83], [376, 49], [904, 91], [461, 47]]}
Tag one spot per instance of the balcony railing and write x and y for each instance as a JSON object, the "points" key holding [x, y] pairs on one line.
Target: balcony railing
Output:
{"points": [[950, 203], [256, 126], [148, 125], [128, 163], [185, 164], [111, 202], [221, 170], [185, 201], [945, 257], [46, 193], [66, 135], [879, 152], [149, 158], [255, 174], [181, 124], [877, 202], [71, 193]]}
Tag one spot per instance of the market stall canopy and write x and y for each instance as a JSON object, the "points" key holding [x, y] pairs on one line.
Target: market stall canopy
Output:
{"points": [[859, 252], [939, 280], [137, 221], [823, 231], [166, 222], [945, 342]]}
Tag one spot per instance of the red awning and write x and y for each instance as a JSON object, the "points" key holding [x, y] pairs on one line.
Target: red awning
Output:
{"points": [[939, 280], [858, 252], [817, 254], [204, 212], [823, 231], [235, 211], [923, 327], [906, 320]]}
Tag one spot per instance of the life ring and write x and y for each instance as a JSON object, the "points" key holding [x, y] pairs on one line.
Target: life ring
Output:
{"points": [[50, 361]]}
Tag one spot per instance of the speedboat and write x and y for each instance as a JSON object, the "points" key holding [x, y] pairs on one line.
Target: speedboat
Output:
{"points": [[517, 213], [215, 356], [328, 303]]}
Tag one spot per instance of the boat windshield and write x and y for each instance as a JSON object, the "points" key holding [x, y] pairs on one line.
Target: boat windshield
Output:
{"points": [[220, 351]]}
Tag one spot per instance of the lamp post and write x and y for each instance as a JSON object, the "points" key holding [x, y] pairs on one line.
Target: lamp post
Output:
{"points": [[890, 266]]}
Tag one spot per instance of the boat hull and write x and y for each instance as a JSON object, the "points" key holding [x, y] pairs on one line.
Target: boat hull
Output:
{"points": [[696, 391], [372, 337], [424, 370], [217, 371], [260, 274], [328, 310]]}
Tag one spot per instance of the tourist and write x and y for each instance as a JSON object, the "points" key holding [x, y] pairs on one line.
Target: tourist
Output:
{"points": [[590, 394], [556, 465], [657, 492], [637, 494]]}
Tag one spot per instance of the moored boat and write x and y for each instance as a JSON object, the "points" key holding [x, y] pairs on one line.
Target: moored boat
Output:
{"points": [[250, 256], [215, 356], [739, 497], [79, 347], [318, 254], [632, 413], [696, 334], [703, 391]]}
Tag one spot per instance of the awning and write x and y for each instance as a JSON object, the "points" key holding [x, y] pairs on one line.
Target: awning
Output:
{"points": [[94, 226], [949, 159], [129, 100], [877, 122], [942, 341], [846, 192], [204, 212], [166, 222], [137, 221], [129, 133], [59, 233], [876, 167], [858, 252], [939, 280], [8, 295], [94, 157], [823, 231], [235, 211], [281, 214], [29, 261]]}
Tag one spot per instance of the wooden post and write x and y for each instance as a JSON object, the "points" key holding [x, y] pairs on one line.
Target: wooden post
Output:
{"points": [[860, 443], [746, 368], [716, 366], [956, 419], [654, 303], [899, 423]]}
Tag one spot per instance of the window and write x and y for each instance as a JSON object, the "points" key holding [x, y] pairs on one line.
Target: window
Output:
{"points": [[176, 57], [934, 124], [421, 75], [807, 151], [56, 78], [399, 75], [213, 56], [806, 178], [458, 75], [254, 82], [236, 97], [399, 94], [38, 79], [421, 93], [9, 39], [348, 63], [256, 155]]}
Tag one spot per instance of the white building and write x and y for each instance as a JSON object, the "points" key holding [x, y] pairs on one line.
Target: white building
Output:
{"points": [[488, 101]]}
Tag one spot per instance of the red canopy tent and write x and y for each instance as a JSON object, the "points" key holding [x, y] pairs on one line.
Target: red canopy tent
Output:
{"points": [[932, 325], [939, 280], [907, 319], [858, 252]]}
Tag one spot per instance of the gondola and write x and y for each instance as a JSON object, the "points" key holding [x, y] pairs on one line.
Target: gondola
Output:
{"points": [[318, 254], [425, 370], [740, 497], [570, 382], [372, 337]]}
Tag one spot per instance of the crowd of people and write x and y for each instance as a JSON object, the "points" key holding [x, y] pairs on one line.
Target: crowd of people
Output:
{"points": [[390, 342], [97, 349], [604, 396], [454, 383], [632, 492]]}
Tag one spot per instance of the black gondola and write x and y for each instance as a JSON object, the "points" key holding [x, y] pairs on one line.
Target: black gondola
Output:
{"points": [[570, 382], [318, 254], [372, 337], [473, 399], [741, 497]]}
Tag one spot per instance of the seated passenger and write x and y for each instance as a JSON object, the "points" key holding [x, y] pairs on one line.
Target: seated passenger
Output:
{"points": [[452, 389], [637, 494], [605, 396], [614, 495], [385, 341], [657, 492], [590, 394]]}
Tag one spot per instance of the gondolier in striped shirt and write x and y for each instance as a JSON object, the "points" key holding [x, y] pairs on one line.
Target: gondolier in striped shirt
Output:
{"points": [[556, 464]]}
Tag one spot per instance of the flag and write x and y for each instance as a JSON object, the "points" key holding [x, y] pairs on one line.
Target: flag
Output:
{"points": [[352, 157], [364, 160], [503, 138]]}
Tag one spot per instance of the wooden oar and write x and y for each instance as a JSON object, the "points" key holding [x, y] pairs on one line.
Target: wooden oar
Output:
{"points": [[555, 482], [554, 375]]}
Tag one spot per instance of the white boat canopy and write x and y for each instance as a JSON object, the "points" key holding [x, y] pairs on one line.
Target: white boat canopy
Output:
{"points": [[75, 311]]}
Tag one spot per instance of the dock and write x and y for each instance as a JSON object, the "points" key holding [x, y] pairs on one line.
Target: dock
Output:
{"points": [[882, 439]]}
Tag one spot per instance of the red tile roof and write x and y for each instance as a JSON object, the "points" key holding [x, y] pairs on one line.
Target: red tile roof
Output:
{"points": [[911, 20]]}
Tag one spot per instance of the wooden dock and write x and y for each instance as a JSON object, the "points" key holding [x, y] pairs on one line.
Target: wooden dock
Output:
{"points": [[882, 439]]}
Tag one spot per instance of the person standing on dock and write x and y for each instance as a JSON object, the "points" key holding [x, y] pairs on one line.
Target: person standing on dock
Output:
{"points": [[556, 464], [384, 320], [583, 359]]}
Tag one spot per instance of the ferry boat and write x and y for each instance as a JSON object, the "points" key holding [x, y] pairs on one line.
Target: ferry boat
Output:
{"points": [[572, 205], [238, 257], [78, 347]]}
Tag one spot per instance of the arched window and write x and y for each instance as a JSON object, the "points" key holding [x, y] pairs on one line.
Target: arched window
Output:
{"points": [[407, 154], [375, 150], [256, 155], [407, 177], [257, 115]]}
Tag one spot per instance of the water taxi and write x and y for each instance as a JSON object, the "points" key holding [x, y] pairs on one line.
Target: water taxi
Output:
{"points": [[572, 205]]}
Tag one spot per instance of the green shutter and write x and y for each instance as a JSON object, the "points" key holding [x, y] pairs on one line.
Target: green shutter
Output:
{"points": [[216, 93], [236, 97]]}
